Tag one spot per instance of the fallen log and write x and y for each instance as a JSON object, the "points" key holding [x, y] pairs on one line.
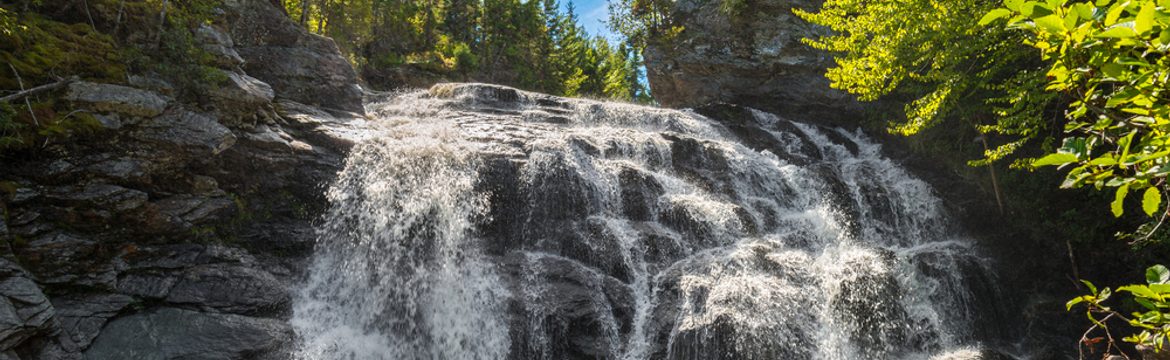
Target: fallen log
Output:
{"points": [[39, 89]]}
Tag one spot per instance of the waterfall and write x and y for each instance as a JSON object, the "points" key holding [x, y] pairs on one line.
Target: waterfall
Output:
{"points": [[491, 223]]}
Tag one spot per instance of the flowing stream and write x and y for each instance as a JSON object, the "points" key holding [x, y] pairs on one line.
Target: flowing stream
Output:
{"points": [[490, 223]]}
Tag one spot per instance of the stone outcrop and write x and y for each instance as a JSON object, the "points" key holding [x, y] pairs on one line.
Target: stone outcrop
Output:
{"points": [[175, 231], [300, 66], [750, 57]]}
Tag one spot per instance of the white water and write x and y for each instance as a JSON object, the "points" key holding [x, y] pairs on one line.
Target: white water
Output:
{"points": [[612, 240]]}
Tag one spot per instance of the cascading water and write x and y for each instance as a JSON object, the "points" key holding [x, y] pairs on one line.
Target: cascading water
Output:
{"points": [[489, 223]]}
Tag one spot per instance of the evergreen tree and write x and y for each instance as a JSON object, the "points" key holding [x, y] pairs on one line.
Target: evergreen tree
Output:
{"points": [[527, 44]]}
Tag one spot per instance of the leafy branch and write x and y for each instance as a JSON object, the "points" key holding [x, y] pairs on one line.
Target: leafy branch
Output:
{"points": [[1153, 321]]}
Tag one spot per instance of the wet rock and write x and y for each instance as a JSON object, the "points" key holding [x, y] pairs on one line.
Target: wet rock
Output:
{"points": [[83, 316], [188, 133], [640, 194], [170, 333], [700, 161], [572, 305], [974, 354], [866, 299], [117, 98], [741, 302], [25, 312], [479, 94], [230, 288]]}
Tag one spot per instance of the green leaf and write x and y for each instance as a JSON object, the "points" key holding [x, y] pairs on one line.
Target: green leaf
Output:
{"points": [[1146, 304], [1151, 200], [1141, 291], [1077, 300], [1119, 32], [1052, 23], [1119, 201], [1145, 18], [1055, 159], [994, 15], [1084, 10], [1115, 13], [1104, 160], [1092, 288], [1157, 274], [1163, 289], [1113, 70], [1013, 5], [1124, 144]]}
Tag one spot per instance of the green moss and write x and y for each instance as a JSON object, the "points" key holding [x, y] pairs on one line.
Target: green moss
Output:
{"points": [[40, 49]]}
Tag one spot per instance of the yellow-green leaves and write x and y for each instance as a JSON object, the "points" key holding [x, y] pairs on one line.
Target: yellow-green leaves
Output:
{"points": [[994, 15], [1154, 296], [1118, 204], [1145, 18], [1052, 23], [1151, 200], [1112, 56], [1056, 159]]}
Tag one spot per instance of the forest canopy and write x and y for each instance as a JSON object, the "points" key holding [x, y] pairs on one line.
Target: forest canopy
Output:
{"points": [[533, 45]]}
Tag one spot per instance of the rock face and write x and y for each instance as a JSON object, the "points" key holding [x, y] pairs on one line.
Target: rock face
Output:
{"points": [[170, 333], [751, 57], [176, 230], [116, 98], [301, 67], [25, 312]]}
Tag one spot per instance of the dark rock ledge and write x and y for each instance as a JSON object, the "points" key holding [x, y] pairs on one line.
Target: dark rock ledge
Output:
{"points": [[176, 231]]}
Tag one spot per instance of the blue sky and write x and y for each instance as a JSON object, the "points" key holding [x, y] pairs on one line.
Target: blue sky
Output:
{"points": [[591, 14]]}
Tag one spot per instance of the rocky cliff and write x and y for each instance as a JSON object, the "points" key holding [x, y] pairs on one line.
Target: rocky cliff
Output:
{"points": [[175, 230], [751, 55]]}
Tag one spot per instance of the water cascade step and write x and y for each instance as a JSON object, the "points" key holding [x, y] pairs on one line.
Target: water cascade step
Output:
{"points": [[492, 223]]}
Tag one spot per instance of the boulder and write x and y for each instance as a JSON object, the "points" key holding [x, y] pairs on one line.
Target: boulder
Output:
{"points": [[300, 66], [25, 312], [170, 333], [751, 57], [116, 98]]}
